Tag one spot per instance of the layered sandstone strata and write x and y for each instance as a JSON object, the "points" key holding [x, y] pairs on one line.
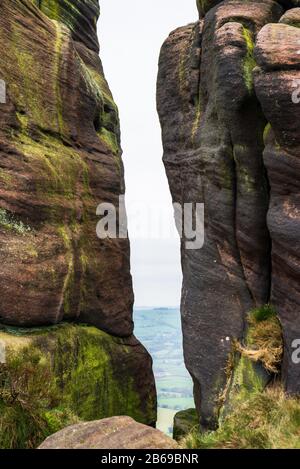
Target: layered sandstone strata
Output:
{"points": [[231, 141]]}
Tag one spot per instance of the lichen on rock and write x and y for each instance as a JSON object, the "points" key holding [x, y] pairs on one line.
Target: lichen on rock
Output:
{"points": [[60, 158], [53, 377]]}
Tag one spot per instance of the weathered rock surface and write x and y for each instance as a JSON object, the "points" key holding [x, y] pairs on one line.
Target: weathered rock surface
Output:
{"points": [[205, 5], [185, 421], [52, 377], [215, 122], [113, 433], [277, 84], [60, 158], [291, 17]]}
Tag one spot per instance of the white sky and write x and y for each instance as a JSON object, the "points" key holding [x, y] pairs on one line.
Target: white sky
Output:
{"points": [[131, 33]]}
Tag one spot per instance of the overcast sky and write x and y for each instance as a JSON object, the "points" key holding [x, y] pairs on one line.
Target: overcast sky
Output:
{"points": [[131, 33]]}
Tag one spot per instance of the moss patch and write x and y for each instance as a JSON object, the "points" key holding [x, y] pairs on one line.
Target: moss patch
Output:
{"points": [[59, 168], [249, 62], [55, 376], [185, 421], [255, 362]]}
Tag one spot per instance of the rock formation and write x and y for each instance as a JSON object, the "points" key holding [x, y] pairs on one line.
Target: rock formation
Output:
{"points": [[231, 140], [185, 422], [113, 433], [60, 158], [89, 375]]}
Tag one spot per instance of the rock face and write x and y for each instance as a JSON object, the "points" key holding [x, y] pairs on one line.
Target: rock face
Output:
{"points": [[231, 139], [88, 374], [113, 433], [279, 71], [185, 421], [60, 158], [205, 5]]}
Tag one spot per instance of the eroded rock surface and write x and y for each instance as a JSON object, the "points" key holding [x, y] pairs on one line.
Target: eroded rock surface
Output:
{"points": [[185, 421], [113, 433], [222, 83], [53, 377], [277, 86], [60, 158]]}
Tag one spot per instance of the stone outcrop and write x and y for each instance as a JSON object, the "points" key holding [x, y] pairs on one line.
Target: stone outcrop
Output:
{"points": [[113, 433], [231, 139], [185, 422], [205, 5], [60, 158], [277, 84], [55, 376]]}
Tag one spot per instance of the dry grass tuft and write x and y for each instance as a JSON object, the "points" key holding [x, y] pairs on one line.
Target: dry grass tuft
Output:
{"points": [[264, 339]]}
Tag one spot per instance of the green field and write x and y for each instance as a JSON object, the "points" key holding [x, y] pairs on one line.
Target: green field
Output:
{"points": [[160, 332]]}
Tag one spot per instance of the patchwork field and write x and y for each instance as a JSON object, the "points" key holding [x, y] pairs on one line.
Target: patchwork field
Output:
{"points": [[160, 332]]}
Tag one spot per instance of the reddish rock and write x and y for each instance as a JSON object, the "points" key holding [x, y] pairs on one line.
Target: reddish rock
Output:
{"points": [[277, 86], [291, 17], [213, 121], [205, 5], [60, 158], [277, 47], [111, 433]]}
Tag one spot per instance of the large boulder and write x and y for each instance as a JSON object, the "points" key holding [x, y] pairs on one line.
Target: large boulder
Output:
{"points": [[113, 433], [56, 376], [60, 158], [230, 131]]}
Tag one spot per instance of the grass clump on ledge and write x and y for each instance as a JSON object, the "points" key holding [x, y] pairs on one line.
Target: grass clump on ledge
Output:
{"points": [[264, 339], [267, 420]]}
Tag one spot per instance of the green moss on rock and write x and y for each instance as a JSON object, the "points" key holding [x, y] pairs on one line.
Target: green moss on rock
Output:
{"points": [[185, 422], [52, 377], [249, 62]]}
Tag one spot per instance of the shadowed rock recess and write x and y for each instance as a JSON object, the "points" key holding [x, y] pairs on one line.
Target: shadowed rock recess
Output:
{"points": [[60, 157], [228, 100]]}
